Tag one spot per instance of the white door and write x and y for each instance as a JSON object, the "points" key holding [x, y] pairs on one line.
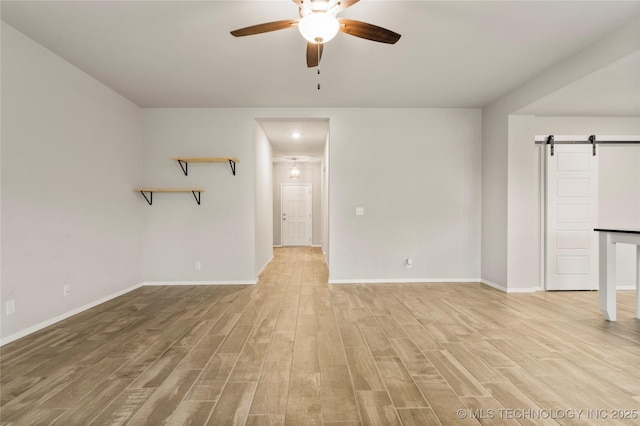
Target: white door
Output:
{"points": [[296, 215], [572, 213]]}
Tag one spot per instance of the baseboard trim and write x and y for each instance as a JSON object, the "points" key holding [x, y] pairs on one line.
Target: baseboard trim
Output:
{"points": [[47, 323], [511, 290], [494, 285], [438, 280], [625, 287], [408, 280], [152, 283], [263, 268], [525, 290]]}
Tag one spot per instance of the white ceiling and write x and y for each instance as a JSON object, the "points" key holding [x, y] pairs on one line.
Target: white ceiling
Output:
{"points": [[451, 54], [611, 91], [180, 53], [308, 147]]}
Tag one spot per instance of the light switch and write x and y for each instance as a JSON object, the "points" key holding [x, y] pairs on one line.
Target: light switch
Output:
{"points": [[359, 211]]}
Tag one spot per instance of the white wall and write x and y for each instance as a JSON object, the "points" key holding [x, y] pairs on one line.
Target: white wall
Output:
{"points": [[496, 177], [309, 173], [70, 159], [416, 173], [264, 200], [524, 224], [221, 232], [619, 204], [227, 232], [618, 172], [495, 127]]}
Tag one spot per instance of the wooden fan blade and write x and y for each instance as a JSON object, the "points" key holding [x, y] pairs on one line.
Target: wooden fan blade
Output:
{"points": [[314, 54], [343, 4], [264, 28], [368, 31]]}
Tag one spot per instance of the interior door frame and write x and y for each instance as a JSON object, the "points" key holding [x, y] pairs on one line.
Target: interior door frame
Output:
{"points": [[282, 186], [543, 153]]}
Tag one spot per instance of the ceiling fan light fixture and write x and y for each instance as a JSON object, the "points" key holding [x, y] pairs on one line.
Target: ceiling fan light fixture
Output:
{"points": [[318, 27]]}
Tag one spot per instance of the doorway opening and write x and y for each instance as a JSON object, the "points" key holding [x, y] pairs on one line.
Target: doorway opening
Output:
{"points": [[302, 143]]}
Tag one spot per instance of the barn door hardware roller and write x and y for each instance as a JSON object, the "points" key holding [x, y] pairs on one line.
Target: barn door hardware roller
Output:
{"points": [[591, 140]]}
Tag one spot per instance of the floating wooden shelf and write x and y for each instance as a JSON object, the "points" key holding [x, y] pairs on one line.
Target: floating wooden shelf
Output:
{"points": [[152, 190], [184, 162]]}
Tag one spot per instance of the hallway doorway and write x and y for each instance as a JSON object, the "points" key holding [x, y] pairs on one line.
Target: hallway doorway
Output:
{"points": [[302, 143]]}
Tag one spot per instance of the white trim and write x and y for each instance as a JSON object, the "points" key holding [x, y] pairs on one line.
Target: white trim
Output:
{"points": [[264, 267], [494, 285], [150, 283], [408, 280], [64, 316], [525, 290], [626, 287], [512, 290], [542, 186]]}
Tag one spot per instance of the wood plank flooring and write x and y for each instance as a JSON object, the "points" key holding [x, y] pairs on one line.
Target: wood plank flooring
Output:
{"points": [[294, 350]]}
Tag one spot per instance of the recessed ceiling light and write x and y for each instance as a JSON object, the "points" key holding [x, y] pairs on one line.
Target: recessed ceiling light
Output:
{"points": [[295, 135]]}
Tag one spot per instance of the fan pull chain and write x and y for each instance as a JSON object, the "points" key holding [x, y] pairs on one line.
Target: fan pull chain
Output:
{"points": [[318, 71]]}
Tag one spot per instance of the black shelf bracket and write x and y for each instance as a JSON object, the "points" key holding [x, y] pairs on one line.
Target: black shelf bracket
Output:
{"points": [[232, 164], [197, 193], [592, 141], [550, 142], [197, 197], [184, 166], [150, 198]]}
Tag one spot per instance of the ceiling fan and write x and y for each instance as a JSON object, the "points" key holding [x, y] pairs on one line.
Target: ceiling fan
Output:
{"points": [[319, 23]]}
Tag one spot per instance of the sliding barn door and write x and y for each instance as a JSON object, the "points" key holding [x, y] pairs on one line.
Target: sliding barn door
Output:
{"points": [[572, 213]]}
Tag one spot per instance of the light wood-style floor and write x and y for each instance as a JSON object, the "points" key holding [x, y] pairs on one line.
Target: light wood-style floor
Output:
{"points": [[294, 350]]}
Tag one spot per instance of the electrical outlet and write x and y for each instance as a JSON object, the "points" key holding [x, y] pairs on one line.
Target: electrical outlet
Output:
{"points": [[67, 290], [11, 307], [198, 265], [359, 211]]}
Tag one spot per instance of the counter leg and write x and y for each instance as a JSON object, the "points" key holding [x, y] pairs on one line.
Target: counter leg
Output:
{"points": [[607, 284]]}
